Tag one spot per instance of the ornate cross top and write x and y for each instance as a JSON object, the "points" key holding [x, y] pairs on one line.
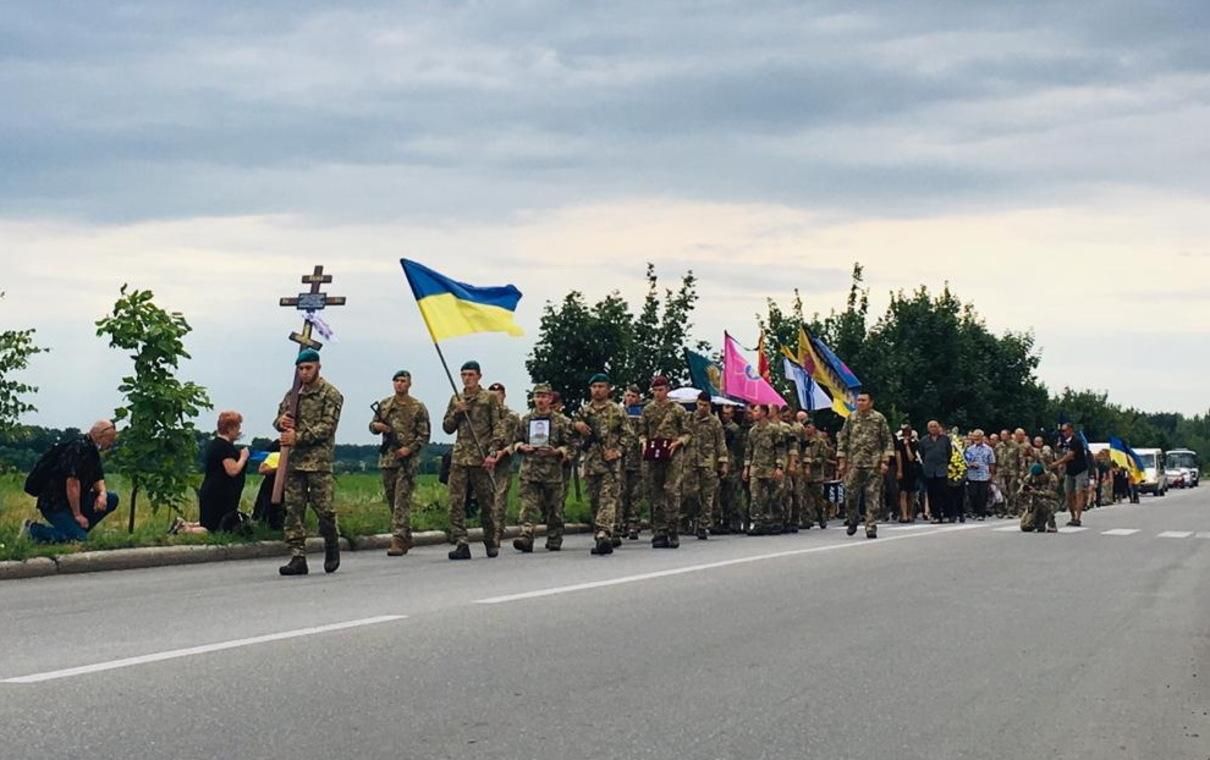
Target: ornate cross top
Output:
{"points": [[311, 302]]}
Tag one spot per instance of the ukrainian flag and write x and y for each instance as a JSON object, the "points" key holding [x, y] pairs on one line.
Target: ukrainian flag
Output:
{"points": [[451, 308], [1123, 456]]}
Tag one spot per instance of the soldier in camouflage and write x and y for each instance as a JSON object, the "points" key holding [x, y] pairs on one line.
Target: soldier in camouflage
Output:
{"points": [[764, 468], [790, 504], [663, 432], [541, 478], [706, 458], [473, 415], [815, 454], [604, 433], [311, 439], [404, 425], [502, 469], [569, 464], [1017, 468], [632, 469], [1038, 494], [729, 512], [864, 449]]}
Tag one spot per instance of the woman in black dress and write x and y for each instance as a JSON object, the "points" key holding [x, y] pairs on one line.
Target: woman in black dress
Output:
{"points": [[218, 498]]}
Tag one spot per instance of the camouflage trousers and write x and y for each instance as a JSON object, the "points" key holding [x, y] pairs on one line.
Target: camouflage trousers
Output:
{"points": [[603, 499], [792, 501], [629, 492], [662, 482], [313, 489], [1015, 502], [764, 511], [814, 505], [503, 475], [465, 478], [701, 490], [398, 484], [868, 482], [1038, 512], [569, 468], [729, 508], [542, 500]]}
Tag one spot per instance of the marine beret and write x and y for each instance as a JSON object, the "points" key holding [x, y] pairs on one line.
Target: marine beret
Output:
{"points": [[401, 373], [600, 377], [307, 356], [471, 365]]}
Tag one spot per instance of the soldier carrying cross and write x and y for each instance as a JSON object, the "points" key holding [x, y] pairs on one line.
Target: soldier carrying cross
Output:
{"points": [[307, 419]]}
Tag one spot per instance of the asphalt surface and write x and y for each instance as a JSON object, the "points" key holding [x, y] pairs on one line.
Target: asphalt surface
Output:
{"points": [[950, 642]]}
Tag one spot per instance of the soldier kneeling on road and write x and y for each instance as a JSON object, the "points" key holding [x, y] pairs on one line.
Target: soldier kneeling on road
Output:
{"points": [[1037, 498]]}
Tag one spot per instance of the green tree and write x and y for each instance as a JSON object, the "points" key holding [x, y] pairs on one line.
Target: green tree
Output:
{"points": [[577, 340], [16, 349], [158, 445]]}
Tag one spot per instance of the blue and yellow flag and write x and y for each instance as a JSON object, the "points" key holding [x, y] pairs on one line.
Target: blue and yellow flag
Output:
{"points": [[451, 308], [1125, 457]]}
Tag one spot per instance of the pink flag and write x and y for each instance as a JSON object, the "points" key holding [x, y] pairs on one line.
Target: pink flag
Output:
{"points": [[741, 380]]}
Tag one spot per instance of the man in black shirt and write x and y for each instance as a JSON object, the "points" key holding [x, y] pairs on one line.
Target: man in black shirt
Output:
{"points": [[75, 498], [1075, 484]]}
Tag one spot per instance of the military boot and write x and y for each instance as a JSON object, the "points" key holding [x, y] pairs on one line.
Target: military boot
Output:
{"points": [[398, 547], [851, 529], [603, 547], [524, 544], [674, 541], [659, 542], [615, 541], [492, 549], [461, 551], [296, 566], [331, 555], [702, 534], [633, 535], [871, 533]]}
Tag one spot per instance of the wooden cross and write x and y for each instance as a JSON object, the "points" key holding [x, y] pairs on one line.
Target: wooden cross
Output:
{"points": [[311, 302]]}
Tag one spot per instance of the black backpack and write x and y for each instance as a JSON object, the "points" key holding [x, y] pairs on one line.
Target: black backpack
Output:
{"points": [[45, 468]]}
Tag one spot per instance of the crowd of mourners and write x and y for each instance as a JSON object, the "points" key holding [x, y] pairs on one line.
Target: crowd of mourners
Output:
{"points": [[656, 464]]}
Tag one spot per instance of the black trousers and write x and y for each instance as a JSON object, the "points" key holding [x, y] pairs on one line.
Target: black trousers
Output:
{"points": [[939, 498], [978, 490]]}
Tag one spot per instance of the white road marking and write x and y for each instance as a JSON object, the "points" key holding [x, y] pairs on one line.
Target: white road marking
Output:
{"points": [[853, 544], [1008, 529], [909, 527], [204, 649], [1072, 529], [1203, 534], [1175, 534], [1120, 532]]}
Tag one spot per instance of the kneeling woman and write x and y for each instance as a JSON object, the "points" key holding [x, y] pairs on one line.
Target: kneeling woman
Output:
{"points": [[224, 480]]}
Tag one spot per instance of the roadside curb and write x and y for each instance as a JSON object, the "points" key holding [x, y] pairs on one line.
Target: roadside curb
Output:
{"points": [[165, 556]]}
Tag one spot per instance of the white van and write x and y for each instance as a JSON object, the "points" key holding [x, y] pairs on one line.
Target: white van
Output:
{"points": [[1187, 462], [1155, 479]]}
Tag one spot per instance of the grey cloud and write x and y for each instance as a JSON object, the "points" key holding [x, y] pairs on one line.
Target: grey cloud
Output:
{"points": [[432, 110]]}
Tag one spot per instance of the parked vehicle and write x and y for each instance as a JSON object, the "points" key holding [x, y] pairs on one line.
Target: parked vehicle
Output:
{"points": [[1187, 461], [1176, 477], [1155, 477]]}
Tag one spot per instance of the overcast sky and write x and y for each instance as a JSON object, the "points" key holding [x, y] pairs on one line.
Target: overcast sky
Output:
{"points": [[1047, 159]]}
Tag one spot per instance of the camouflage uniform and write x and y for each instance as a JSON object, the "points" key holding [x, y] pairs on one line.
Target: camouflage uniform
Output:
{"points": [[729, 510], [706, 453], [1014, 469], [410, 428], [764, 453], [1038, 497], [1001, 451], [815, 455], [483, 414], [662, 480], [541, 477], [864, 444], [309, 474], [794, 480], [632, 480], [610, 430], [506, 430]]}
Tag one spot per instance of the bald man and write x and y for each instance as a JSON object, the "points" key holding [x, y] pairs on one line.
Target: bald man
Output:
{"points": [[73, 498]]}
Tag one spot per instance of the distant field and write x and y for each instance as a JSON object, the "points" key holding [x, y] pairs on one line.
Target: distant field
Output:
{"points": [[359, 503]]}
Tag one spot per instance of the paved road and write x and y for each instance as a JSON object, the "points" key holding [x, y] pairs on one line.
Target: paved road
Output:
{"points": [[931, 643]]}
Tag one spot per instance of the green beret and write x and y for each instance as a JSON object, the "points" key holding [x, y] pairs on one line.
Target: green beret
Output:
{"points": [[600, 377], [471, 365], [401, 373], [1036, 469], [307, 355]]}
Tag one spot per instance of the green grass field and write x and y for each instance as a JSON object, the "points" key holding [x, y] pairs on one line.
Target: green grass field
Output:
{"points": [[359, 504]]}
